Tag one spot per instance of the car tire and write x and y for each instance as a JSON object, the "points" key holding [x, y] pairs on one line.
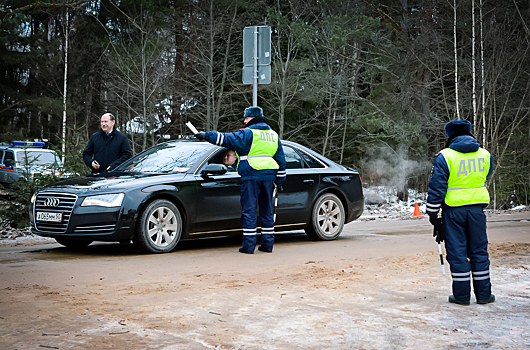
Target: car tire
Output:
{"points": [[73, 243], [327, 218], [159, 228]]}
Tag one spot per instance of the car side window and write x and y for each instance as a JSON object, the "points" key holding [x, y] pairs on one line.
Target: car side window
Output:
{"points": [[9, 159], [2, 157], [292, 159], [219, 158], [310, 161]]}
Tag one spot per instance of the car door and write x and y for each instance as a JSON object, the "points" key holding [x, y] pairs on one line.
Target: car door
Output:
{"points": [[2, 167], [295, 202], [9, 168], [218, 200]]}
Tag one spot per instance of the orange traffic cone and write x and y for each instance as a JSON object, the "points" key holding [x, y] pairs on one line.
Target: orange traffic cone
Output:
{"points": [[417, 213]]}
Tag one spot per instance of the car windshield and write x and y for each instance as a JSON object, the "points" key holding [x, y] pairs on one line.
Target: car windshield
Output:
{"points": [[166, 158], [37, 158]]}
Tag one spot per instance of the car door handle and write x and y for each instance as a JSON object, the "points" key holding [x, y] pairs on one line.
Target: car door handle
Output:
{"points": [[309, 181]]}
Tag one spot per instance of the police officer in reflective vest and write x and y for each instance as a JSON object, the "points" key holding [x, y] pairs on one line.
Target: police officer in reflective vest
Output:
{"points": [[261, 164], [458, 187]]}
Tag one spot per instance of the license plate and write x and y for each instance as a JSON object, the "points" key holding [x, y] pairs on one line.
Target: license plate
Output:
{"points": [[45, 216]]}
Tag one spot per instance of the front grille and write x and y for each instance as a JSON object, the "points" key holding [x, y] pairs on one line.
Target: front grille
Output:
{"points": [[61, 203], [95, 228]]}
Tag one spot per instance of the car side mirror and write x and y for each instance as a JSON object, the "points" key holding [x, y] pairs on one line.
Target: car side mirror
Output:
{"points": [[213, 169], [9, 163]]}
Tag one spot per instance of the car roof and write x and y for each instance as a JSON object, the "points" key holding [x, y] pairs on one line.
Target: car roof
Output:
{"points": [[29, 148], [290, 143]]}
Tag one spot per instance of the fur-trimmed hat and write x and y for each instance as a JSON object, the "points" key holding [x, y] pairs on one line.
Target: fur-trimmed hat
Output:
{"points": [[457, 127], [253, 112]]}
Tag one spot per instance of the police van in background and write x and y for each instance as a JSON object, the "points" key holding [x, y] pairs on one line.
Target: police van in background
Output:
{"points": [[26, 159]]}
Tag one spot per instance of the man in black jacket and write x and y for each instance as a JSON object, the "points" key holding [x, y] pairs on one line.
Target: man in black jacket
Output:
{"points": [[107, 148]]}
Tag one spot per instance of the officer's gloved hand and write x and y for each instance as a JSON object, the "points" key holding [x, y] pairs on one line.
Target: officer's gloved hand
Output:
{"points": [[278, 184], [433, 219], [201, 135], [440, 232]]}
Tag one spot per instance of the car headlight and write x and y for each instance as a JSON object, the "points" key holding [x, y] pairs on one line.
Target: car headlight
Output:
{"points": [[33, 198], [104, 200]]}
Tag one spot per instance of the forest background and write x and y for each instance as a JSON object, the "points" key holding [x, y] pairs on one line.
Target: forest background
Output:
{"points": [[369, 84]]}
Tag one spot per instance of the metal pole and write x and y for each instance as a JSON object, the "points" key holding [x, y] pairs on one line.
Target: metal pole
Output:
{"points": [[255, 82]]}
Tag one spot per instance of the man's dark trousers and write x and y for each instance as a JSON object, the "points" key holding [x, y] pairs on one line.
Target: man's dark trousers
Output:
{"points": [[257, 192], [466, 245]]}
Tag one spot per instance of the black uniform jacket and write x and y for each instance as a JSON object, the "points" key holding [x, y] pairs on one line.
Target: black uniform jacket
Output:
{"points": [[112, 149]]}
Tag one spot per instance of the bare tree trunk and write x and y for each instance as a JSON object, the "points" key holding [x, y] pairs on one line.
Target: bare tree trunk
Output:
{"points": [[494, 197], [210, 89], [483, 80], [144, 99], [49, 137], [427, 28], [139, 72], [178, 78], [475, 125], [41, 125], [328, 127], [330, 107], [88, 108], [456, 64], [132, 132], [287, 77], [217, 111], [514, 125], [66, 30], [284, 72], [344, 134]]}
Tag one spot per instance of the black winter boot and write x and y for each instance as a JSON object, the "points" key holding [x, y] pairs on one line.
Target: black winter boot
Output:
{"points": [[454, 300], [242, 250], [491, 299], [261, 249]]}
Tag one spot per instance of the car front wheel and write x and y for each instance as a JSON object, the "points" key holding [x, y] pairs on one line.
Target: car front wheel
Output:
{"points": [[160, 227], [327, 218]]}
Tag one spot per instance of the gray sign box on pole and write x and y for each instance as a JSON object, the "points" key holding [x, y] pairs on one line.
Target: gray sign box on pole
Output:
{"points": [[256, 58], [264, 74], [264, 46]]}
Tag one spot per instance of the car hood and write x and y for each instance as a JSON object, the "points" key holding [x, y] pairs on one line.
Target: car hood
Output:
{"points": [[38, 169], [99, 184]]}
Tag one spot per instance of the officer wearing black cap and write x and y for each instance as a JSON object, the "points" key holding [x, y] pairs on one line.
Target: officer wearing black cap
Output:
{"points": [[458, 187], [261, 164]]}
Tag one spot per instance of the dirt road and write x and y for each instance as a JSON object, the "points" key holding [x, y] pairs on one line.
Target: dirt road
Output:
{"points": [[379, 286]]}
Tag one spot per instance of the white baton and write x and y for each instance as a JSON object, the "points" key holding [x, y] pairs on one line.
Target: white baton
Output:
{"points": [[192, 128]]}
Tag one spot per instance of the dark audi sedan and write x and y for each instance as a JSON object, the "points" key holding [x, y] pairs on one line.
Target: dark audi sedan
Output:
{"points": [[181, 190]]}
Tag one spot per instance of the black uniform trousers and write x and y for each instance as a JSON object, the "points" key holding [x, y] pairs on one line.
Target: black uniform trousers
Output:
{"points": [[467, 251], [254, 193]]}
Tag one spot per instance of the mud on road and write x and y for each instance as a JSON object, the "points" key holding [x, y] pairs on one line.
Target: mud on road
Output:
{"points": [[379, 286]]}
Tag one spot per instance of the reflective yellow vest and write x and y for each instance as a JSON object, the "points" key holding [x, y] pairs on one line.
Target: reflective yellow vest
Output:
{"points": [[264, 147], [467, 177]]}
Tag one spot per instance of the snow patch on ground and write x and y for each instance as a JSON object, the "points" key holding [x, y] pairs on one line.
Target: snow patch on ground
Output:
{"points": [[519, 208], [382, 203], [10, 237]]}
